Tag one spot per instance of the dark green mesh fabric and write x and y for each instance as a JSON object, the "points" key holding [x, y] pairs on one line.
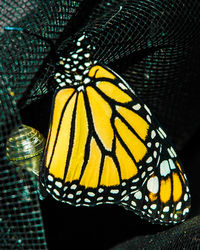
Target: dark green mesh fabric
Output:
{"points": [[185, 236], [153, 44], [21, 225]]}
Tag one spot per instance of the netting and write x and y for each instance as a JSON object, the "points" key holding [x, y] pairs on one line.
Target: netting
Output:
{"points": [[185, 236], [153, 45]]}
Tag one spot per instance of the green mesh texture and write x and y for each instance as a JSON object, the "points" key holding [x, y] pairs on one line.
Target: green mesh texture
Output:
{"points": [[21, 225], [153, 44]]}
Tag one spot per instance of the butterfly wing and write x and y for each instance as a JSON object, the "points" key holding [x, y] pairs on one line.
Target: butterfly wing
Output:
{"points": [[164, 196], [104, 146]]}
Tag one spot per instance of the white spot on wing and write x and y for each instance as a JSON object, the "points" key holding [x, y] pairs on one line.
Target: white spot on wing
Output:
{"points": [[147, 109], [81, 67], [126, 198], [175, 216], [74, 186], [153, 184], [78, 77], [67, 66], [135, 180], [78, 200], [172, 165], [173, 151], [86, 80], [124, 192], [81, 38], [80, 88], [170, 152], [138, 195], [166, 209], [133, 203], [149, 144], [164, 168], [50, 178], [87, 55], [75, 56], [122, 86], [185, 211], [148, 118], [153, 206], [58, 184], [178, 206], [91, 194], [100, 190], [149, 160], [68, 81], [70, 196], [87, 64], [161, 133], [153, 134], [143, 175], [136, 106], [85, 71], [114, 191], [149, 168], [58, 80], [185, 197], [75, 62], [79, 50], [56, 192]]}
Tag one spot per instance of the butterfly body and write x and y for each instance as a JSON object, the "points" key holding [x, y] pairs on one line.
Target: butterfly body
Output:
{"points": [[105, 146]]}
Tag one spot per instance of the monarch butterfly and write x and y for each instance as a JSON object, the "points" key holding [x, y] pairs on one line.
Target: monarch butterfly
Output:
{"points": [[105, 146]]}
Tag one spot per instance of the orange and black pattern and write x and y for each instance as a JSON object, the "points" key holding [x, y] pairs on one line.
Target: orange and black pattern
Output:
{"points": [[104, 145]]}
